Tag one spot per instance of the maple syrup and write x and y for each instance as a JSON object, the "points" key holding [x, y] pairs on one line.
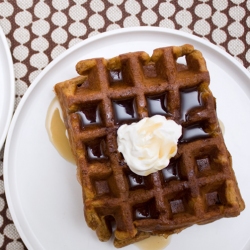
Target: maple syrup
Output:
{"points": [[96, 150], [222, 127], [57, 131], [192, 133], [146, 210], [190, 98], [143, 212], [171, 172], [90, 115], [157, 105], [136, 181], [153, 243], [125, 111]]}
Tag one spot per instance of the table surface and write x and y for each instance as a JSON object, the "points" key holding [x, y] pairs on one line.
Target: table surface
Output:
{"points": [[38, 31]]}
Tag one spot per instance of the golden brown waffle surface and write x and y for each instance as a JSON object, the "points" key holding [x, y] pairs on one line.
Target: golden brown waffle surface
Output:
{"points": [[197, 187]]}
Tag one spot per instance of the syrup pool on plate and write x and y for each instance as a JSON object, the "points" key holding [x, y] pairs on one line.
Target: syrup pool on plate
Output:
{"points": [[222, 127], [57, 131], [153, 243]]}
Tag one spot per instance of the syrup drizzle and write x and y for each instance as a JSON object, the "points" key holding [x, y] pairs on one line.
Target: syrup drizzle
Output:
{"points": [[153, 243], [136, 181], [222, 127], [192, 133], [95, 151], [142, 212], [190, 98], [57, 132], [90, 115], [125, 111], [146, 210], [157, 105], [171, 172]]}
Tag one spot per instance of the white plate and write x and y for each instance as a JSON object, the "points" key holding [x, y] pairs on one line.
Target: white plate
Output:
{"points": [[44, 197], [7, 88]]}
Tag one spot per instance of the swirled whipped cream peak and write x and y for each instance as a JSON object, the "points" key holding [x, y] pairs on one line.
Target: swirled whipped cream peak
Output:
{"points": [[148, 145]]}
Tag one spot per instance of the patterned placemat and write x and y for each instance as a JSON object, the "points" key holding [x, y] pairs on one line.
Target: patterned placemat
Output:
{"points": [[38, 31]]}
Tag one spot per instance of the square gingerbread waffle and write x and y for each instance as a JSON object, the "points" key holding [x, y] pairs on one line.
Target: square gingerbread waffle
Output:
{"points": [[197, 187]]}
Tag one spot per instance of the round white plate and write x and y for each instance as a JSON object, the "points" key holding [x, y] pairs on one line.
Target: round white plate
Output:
{"points": [[7, 88], [44, 197]]}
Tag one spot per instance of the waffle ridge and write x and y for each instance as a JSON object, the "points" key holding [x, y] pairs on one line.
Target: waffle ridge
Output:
{"points": [[197, 187]]}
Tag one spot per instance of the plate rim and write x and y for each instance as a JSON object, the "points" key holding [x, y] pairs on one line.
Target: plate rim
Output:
{"points": [[83, 43], [11, 100]]}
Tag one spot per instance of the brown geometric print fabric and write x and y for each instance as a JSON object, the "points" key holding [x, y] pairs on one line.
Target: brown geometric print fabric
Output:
{"points": [[38, 31]]}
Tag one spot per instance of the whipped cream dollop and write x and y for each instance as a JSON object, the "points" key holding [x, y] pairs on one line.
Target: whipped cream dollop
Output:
{"points": [[148, 145]]}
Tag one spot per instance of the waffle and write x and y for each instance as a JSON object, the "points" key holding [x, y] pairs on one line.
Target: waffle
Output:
{"points": [[199, 184]]}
